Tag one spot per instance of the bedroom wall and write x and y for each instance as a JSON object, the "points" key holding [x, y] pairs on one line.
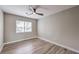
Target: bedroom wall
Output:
{"points": [[61, 28], [1, 30], [10, 28]]}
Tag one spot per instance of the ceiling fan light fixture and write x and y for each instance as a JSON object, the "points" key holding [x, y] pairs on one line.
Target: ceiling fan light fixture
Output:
{"points": [[29, 13]]}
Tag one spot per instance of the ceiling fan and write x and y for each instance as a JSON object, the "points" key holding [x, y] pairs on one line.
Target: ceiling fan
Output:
{"points": [[33, 10]]}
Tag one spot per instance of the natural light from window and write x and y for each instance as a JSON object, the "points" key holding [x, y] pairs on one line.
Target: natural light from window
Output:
{"points": [[23, 26]]}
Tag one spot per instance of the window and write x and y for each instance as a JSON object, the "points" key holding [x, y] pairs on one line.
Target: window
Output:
{"points": [[23, 26], [19, 26], [28, 27]]}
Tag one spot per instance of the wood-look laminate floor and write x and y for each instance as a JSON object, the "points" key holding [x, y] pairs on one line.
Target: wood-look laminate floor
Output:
{"points": [[34, 46]]}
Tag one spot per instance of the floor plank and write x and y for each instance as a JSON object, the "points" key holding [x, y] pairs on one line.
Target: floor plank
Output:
{"points": [[34, 46]]}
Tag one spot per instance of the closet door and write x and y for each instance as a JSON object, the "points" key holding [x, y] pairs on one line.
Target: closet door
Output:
{"points": [[1, 30]]}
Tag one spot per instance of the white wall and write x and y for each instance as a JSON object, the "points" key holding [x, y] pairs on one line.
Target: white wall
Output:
{"points": [[1, 30], [10, 28], [61, 28]]}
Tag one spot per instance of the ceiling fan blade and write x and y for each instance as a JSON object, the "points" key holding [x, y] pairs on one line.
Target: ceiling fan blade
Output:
{"points": [[40, 14], [35, 6]]}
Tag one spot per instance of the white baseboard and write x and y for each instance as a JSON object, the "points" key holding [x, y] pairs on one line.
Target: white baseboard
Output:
{"points": [[19, 40], [64, 46]]}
